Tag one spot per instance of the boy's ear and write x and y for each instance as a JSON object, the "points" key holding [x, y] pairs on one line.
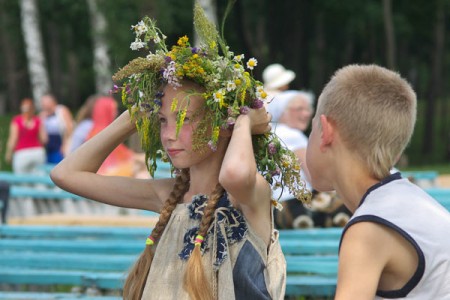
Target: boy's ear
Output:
{"points": [[328, 132]]}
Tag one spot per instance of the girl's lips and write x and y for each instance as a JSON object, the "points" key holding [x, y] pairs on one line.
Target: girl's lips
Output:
{"points": [[173, 152]]}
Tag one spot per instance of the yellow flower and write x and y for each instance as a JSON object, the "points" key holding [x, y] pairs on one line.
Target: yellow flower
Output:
{"points": [[180, 121], [182, 41], [263, 95], [237, 81], [216, 132], [195, 56], [212, 45], [174, 105]]}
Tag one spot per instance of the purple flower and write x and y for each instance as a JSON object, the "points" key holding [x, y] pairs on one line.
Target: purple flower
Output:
{"points": [[272, 148], [128, 89], [230, 122], [115, 89], [212, 146], [167, 59], [194, 50], [276, 172], [157, 102], [244, 110], [145, 106], [159, 94], [257, 103]]}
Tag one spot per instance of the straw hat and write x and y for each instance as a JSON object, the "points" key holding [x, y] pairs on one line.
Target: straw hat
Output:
{"points": [[276, 76]]}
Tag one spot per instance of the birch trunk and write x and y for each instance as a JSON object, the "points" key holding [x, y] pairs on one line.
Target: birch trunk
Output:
{"points": [[102, 63], [34, 50]]}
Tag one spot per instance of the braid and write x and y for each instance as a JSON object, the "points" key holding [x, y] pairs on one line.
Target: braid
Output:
{"points": [[195, 280], [135, 282]]}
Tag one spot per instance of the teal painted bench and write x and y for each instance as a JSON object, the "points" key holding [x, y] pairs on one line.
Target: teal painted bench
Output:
{"points": [[99, 257], [424, 179]]}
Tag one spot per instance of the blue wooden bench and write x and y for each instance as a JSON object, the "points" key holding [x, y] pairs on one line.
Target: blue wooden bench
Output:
{"points": [[424, 179], [98, 257]]}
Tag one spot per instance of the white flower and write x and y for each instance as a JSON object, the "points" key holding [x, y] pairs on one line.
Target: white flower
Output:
{"points": [[140, 28], [260, 93], [252, 62], [157, 39], [231, 86], [137, 44], [218, 95], [239, 57]]}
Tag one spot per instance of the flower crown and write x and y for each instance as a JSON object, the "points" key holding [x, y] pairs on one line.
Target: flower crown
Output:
{"points": [[229, 90]]}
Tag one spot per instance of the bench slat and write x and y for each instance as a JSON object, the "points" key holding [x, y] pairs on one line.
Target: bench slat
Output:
{"points": [[52, 296]]}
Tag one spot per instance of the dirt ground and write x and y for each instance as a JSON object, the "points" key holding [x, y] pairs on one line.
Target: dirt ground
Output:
{"points": [[443, 181], [93, 220]]}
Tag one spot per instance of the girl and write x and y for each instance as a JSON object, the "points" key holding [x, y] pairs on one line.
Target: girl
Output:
{"points": [[214, 238]]}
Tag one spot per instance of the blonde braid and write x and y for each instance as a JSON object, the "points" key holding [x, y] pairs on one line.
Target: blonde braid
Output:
{"points": [[137, 277], [195, 280]]}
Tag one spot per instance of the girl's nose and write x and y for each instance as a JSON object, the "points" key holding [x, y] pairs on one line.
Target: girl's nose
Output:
{"points": [[169, 131]]}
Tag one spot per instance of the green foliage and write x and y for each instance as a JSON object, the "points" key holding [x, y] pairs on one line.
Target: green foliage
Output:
{"points": [[313, 38], [4, 131]]}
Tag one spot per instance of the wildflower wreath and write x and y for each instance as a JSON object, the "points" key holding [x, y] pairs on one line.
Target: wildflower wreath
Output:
{"points": [[229, 90]]}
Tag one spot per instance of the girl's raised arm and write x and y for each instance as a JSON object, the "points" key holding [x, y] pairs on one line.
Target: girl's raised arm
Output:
{"points": [[239, 174], [77, 172]]}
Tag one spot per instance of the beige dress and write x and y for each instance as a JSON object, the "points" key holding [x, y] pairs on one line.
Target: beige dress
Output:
{"points": [[235, 259]]}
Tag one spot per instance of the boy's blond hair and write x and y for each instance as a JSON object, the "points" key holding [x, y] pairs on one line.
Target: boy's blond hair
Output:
{"points": [[374, 110]]}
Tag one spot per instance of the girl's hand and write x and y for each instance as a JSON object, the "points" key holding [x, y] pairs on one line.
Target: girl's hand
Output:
{"points": [[259, 120]]}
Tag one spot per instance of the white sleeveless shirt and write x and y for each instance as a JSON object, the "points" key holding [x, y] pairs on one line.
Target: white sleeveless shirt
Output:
{"points": [[404, 207]]}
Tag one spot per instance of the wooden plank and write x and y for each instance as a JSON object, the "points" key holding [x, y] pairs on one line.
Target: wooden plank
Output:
{"points": [[103, 280], [304, 285], [17, 179], [69, 232], [136, 246], [52, 296], [67, 261]]}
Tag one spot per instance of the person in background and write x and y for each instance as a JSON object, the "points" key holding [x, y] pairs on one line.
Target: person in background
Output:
{"points": [[26, 140], [291, 112], [121, 160], [84, 123], [291, 116], [276, 79], [58, 122]]}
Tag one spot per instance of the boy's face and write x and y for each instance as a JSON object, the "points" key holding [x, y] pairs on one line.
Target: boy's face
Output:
{"points": [[316, 158]]}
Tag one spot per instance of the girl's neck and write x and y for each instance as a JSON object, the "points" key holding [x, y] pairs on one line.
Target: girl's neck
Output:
{"points": [[204, 176], [27, 116]]}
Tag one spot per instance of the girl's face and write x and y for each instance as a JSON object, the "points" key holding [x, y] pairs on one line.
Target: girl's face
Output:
{"points": [[179, 148]]}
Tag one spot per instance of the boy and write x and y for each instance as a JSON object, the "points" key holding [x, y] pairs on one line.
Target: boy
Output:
{"points": [[396, 245]]}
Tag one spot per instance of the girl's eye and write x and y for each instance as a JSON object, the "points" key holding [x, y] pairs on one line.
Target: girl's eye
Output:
{"points": [[162, 120]]}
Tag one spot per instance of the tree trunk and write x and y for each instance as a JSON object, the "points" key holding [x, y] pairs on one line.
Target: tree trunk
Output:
{"points": [[435, 80], [34, 50], [102, 63], [390, 36]]}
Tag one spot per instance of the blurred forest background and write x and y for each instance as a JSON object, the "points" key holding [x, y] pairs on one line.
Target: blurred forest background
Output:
{"points": [[83, 42]]}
